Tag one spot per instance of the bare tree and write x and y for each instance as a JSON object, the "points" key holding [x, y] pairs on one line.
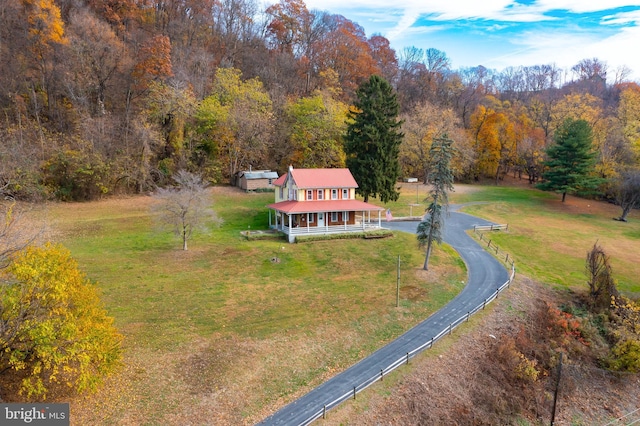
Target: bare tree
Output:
{"points": [[627, 190], [16, 230], [185, 207]]}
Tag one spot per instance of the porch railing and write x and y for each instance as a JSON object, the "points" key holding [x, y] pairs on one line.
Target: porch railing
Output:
{"points": [[333, 229]]}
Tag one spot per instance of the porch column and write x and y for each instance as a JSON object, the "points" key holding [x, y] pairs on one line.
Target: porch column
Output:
{"points": [[379, 219], [363, 213]]}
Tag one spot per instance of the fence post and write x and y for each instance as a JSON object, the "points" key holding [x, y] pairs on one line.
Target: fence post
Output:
{"points": [[506, 259], [484, 304], [496, 249], [381, 375], [450, 328], [354, 392], [324, 412], [407, 358], [492, 227], [489, 243], [468, 315]]}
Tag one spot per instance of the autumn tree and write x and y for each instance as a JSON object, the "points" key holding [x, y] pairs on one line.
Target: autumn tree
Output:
{"points": [[346, 50], [421, 126], [441, 178], [53, 330], [170, 106], [571, 160], [154, 62], [493, 138], [316, 125], [384, 56], [98, 57], [628, 113], [287, 20], [627, 192], [373, 139], [185, 208], [236, 120]]}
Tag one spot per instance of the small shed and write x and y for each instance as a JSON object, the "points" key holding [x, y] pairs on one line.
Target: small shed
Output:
{"points": [[251, 180]]}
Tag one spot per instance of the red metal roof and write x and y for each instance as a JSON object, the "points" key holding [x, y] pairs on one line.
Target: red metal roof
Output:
{"points": [[291, 207], [319, 178], [280, 181]]}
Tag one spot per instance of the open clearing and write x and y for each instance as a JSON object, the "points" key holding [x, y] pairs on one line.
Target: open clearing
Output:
{"points": [[221, 334]]}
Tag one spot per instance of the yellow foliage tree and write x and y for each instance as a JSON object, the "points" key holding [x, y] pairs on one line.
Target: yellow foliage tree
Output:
{"points": [[53, 329], [45, 24], [494, 141], [629, 115]]}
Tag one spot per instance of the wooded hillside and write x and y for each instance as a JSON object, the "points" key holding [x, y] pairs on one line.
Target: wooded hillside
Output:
{"points": [[108, 96]]}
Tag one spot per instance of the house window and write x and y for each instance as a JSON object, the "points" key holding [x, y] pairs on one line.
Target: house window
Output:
{"points": [[309, 217], [309, 194], [270, 181], [334, 194], [281, 192], [334, 216], [320, 194], [345, 194]]}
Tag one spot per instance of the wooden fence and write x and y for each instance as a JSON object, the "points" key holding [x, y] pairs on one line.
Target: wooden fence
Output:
{"points": [[404, 359], [491, 246]]}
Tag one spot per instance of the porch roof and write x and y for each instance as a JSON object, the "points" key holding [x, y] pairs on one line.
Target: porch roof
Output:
{"points": [[291, 207]]}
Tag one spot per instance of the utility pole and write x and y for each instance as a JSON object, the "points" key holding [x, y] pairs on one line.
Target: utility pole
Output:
{"points": [[555, 394], [398, 284]]}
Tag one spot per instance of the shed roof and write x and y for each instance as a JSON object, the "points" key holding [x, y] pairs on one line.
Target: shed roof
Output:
{"points": [[258, 174]]}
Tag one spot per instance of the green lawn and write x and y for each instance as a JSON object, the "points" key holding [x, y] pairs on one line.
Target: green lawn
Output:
{"points": [[550, 240], [323, 306], [223, 316]]}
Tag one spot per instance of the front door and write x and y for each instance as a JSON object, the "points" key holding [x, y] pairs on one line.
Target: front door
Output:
{"points": [[320, 219]]}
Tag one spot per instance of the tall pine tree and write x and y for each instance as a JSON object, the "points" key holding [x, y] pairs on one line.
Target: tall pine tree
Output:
{"points": [[441, 178], [571, 160], [373, 138]]}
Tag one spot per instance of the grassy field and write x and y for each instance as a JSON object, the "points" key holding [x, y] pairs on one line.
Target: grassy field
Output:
{"points": [[221, 331], [550, 239]]}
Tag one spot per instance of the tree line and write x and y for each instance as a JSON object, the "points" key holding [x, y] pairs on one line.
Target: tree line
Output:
{"points": [[111, 96]]}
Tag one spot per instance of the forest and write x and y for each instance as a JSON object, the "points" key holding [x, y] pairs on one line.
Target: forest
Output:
{"points": [[115, 96]]}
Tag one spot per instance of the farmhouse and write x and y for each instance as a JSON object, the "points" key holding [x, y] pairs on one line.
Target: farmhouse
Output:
{"points": [[251, 180], [320, 201]]}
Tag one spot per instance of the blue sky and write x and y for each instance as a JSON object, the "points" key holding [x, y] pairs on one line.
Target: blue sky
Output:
{"points": [[502, 33]]}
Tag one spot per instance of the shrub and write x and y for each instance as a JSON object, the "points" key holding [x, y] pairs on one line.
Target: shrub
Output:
{"points": [[625, 356]]}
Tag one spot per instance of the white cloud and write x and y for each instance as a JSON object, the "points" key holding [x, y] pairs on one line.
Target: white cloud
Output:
{"points": [[564, 47]]}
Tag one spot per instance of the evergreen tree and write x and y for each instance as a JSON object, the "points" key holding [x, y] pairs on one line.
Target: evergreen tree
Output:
{"points": [[571, 160], [373, 138], [441, 178]]}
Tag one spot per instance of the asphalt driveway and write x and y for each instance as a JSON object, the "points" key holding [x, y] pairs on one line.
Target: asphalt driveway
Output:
{"points": [[485, 275]]}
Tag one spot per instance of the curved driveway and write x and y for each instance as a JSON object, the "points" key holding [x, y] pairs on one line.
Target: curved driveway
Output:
{"points": [[485, 275]]}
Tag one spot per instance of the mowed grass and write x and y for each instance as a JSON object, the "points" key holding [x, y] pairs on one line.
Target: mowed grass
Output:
{"points": [[550, 239], [225, 324]]}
